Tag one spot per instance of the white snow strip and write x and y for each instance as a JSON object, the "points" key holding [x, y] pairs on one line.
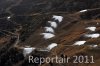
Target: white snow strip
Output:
{"points": [[79, 43], [96, 35], [84, 10], [49, 29], [51, 46], [93, 46], [47, 35], [27, 51], [53, 24], [59, 18], [91, 28]]}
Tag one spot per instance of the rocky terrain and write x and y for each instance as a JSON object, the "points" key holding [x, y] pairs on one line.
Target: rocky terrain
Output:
{"points": [[49, 28]]}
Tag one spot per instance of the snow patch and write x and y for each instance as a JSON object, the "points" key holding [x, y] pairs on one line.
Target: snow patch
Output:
{"points": [[49, 29], [53, 24], [47, 35], [51, 46], [79, 43], [27, 51], [8, 17], [84, 10], [93, 35], [59, 18], [93, 46], [91, 28]]}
